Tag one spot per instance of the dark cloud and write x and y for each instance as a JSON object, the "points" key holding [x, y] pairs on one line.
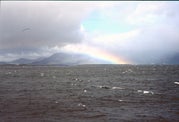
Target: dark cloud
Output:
{"points": [[29, 29], [49, 24]]}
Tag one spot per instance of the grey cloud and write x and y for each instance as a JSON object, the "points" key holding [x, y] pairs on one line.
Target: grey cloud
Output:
{"points": [[50, 24]]}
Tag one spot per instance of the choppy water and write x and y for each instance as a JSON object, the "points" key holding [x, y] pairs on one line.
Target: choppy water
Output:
{"points": [[89, 93]]}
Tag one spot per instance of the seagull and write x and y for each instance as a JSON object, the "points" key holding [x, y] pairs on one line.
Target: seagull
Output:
{"points": [[25, 29]]}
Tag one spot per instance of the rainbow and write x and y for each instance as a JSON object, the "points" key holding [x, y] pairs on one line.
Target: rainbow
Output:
{"points": [[96, 53]]}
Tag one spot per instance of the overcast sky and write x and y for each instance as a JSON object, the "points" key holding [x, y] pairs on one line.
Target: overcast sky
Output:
{"points": [[131, 30]]}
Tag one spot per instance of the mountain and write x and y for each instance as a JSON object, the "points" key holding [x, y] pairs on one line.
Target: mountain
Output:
{"points": [[58, 59], [24, 61], [21, 61], [63, 59], [68, 59], [2, 63]]}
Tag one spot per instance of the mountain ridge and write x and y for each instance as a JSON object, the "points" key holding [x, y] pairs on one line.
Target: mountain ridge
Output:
{"points": [[65, 59]]}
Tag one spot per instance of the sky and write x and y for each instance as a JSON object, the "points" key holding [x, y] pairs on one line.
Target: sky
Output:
{"points": [[116, 31]]}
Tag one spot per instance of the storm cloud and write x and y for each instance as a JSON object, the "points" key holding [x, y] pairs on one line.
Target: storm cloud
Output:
{"points": [[49, 24]]}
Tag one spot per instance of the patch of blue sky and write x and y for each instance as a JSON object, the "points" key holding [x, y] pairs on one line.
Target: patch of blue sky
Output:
{"points": [[100, 23]]}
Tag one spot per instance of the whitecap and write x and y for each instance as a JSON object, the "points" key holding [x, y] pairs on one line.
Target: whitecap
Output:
{"points": [[176, 83], [73, 84], [116, 87], [104, 87], [123, 72], [139, 91], [8, 73], [148, 92], [80, 104], [41, 74], [129, 70], [120, 100], [145, 92]]}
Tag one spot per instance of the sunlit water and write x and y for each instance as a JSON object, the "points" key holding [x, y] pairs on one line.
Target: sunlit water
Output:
{"points": [[90, 93]]}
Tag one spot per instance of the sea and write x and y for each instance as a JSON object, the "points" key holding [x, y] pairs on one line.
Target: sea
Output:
{"points": [[89, 93]]}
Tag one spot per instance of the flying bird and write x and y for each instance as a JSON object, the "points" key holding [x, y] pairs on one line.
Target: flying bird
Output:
{"points": [[25, 29]]}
